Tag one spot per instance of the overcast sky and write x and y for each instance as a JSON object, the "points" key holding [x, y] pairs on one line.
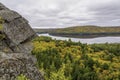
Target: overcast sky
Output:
{"points": [[65, 13]]}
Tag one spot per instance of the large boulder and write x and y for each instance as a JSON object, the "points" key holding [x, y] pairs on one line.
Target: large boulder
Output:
{"points": [[16, 46], [16, 29]]}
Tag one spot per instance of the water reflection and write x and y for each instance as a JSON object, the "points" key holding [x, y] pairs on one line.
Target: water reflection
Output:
{"points": [[108, 39]]}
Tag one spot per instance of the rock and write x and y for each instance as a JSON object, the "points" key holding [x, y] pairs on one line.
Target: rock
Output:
{"points": [[3, 7], [16, 47], [15, 64], [17, 30], [9, 15], [18, 33], [4, 47]]}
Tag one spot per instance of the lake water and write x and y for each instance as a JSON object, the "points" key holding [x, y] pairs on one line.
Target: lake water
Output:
{"points": [[108, 39]]}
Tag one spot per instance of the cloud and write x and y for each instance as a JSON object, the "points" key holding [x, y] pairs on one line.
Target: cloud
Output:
{"points": [[64, 13]]}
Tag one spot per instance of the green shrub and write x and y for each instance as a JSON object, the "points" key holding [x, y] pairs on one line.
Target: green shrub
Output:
{"points": [[22, 77]]}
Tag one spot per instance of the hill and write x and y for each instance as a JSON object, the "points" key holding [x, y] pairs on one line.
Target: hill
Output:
{"points": [[83, 31]]}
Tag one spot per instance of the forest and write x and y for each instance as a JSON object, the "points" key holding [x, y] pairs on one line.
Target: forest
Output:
{"points": [[67, 60], [82, 29]]}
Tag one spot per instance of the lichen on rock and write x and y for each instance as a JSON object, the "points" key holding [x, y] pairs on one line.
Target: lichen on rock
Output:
{"points": [[14, 64]]}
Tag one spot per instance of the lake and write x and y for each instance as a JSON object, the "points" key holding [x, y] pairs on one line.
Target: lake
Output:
{"points": [[109, 39]]}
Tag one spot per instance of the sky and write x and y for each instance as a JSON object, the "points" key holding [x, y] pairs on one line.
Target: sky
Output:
{"points": [[66, 13]]}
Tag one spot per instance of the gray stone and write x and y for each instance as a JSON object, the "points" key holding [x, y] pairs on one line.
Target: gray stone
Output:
{"points": [[24, 47], [3, 7], [9, 15], [14, 64], [4, 47], [15, 46], [17, 30]]}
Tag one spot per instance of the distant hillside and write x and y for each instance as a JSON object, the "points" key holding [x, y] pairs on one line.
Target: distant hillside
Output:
{"points": [[83, 31]]}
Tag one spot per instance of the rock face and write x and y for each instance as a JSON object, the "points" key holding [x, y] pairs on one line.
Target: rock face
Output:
{"points": [[16, 29], [12, 65], [16, 46]]}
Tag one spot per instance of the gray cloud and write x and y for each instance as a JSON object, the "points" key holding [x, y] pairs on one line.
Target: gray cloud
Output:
{"points": [[64, 13]]}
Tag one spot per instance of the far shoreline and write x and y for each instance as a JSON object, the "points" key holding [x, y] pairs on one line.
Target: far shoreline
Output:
{"points": [[82, 35]]}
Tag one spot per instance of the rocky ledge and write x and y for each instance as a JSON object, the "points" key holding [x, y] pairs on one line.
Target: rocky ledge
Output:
{"points": [[16, 47]]}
